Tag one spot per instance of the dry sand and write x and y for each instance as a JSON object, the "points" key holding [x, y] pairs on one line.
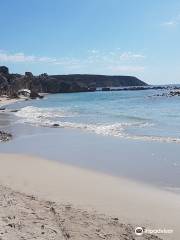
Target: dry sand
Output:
{"points": [[26, 217], [131, 202], [6, 101]]}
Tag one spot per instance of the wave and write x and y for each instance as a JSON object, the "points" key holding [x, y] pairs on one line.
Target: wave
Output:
{"points": [[35, 114], [50, 117]]}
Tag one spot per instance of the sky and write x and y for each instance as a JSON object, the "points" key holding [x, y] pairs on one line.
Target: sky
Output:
{"points": [[115, 37]]}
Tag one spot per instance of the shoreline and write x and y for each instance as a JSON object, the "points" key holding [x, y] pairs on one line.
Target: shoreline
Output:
{"points": [[4, 101], [154, 164], [134, 203]]}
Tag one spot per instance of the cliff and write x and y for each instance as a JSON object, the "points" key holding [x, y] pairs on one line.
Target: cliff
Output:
{"points": [[11, 83]]}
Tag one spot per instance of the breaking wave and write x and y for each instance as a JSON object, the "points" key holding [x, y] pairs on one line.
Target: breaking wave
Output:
{"points": [[54, 117]]}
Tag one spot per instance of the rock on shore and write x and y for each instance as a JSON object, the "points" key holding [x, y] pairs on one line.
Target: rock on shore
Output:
{"points": [[4, 136]]}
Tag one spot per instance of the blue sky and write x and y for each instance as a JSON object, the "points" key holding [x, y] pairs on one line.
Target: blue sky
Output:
{"points": [[116, 37]]}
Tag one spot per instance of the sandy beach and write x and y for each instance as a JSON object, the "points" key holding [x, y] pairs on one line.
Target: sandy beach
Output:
{"points": [[89, 120], [130, 202], [6, 101]]}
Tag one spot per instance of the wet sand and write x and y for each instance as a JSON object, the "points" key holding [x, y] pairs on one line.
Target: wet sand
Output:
{"points": [[150, 162]]}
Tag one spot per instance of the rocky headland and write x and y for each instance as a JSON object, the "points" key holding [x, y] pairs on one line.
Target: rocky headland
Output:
{"points": [[11, 83]]}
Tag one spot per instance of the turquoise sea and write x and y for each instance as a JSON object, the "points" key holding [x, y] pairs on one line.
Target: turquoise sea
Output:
{"points": [[124, 114]]}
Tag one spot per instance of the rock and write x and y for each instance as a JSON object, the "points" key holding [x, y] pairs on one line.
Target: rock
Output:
{"points": [[55, 125], [34, 95], [43, 75], [4, 136], [14, 110], [28, 74], [172, 93], [106, 89], [4, 70], [13, 95], [3, 84]]}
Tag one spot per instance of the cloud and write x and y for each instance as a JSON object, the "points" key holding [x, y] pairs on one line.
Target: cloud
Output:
{"points": [[173, 22], [131, 56], [94, 62], [6, 57], [170, 23], [127, 69], [114, 56], [21, 57], [117, 62]]}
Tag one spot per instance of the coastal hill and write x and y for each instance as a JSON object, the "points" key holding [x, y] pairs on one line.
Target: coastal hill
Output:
{"points": [[10, 83], [91, 80]]}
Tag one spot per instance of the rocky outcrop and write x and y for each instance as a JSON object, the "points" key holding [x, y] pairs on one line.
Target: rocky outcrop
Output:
{"points": [[171, 93], [4, 136], [34, 95], [11, 83], [174, 93], [4, 70], [3, 84]]}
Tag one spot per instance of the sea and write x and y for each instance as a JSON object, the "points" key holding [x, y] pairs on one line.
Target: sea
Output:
{"points": [[124, 114]]}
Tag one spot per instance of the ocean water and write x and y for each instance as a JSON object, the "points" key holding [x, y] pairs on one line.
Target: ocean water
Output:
{"points": [[124, 114]]}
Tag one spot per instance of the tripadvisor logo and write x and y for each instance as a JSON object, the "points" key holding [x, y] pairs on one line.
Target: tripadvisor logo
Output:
{"points": [[139, 231]]}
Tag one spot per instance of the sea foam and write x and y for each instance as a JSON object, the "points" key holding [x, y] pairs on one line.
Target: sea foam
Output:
{"points": [[48, 117]]}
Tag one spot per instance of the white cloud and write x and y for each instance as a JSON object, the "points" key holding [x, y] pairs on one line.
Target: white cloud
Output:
{"points": [[95, 61], [93, 51], [21, 57], [131, 56], [114, 56], [170, 23], [6, 57], [127, 69], [173, 22]]}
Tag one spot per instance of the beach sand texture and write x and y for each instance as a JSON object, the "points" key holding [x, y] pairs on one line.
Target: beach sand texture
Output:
{"points": [[131, 202], [26, 217]]}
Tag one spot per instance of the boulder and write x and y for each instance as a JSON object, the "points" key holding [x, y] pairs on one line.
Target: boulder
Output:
{"points": [[106, 89], [28, 74], [3, 84], [4, 136], [174, 93], [55, 125], [13, 94], [4, 70], [14, 110], [34, 95]]}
